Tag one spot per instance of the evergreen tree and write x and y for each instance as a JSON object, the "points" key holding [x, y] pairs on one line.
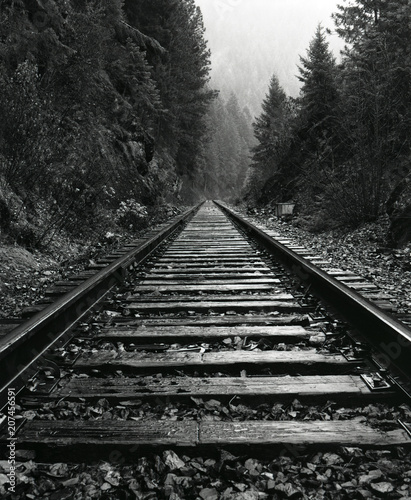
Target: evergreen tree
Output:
{"points": [[316, 136], [270, 126], [181, 73], [191, 59], [272, 130], [377, 90], [99, 102], [319, 89], [348, 135]]}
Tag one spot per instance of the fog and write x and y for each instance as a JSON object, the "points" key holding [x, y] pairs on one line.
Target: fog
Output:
{"points": [[252, 39]]}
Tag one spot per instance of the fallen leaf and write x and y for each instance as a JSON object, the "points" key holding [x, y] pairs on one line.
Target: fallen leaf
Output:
{"points": [[172, 460], [382, 488]]}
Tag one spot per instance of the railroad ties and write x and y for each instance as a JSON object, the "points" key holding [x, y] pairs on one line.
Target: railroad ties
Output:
{"points": [[209, 322]]}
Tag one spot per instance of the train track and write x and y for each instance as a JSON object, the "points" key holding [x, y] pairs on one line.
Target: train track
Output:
{"points": [[210, 334]]}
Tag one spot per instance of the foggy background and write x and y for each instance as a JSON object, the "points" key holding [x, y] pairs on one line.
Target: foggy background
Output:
{"points": [[252, 39]]}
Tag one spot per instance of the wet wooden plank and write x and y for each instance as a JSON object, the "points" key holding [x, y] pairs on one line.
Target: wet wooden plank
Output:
{"points": [[338, 272], [83, 275], [158, 333], [7, 325], [209, 264], [386, 306], [216, 242], [318, 262], [215, 321], [209, 253], [347, 279], [220, 306], [210, 270], [196, 244], [214, 235], [212, 278], [206, 288], [159, 282], [294, 433], [217, 258], [64, 433], [224, 247], [29, 311], [177, 359], [208, 297], [337, 387], [67, 283], [208, 249], [219, 228], [378, 295], [362, 286], [157, 433], [97, 266], [60, 290], [404, 317]]}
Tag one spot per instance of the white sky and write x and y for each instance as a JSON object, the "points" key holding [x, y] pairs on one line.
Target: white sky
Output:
{"points": [[252, 39]]}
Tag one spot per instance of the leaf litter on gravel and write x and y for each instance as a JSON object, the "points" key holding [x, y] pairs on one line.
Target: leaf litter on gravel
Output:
{"points": [[363, 251], [377, 415], [339, 475]]}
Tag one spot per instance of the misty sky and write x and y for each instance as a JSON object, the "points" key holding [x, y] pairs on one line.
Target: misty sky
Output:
{"points": [[252, 39]]}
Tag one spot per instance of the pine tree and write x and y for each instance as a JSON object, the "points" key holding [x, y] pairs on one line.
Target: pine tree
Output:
{"points": [[272, 130], [377, 94], [319, 89], [270, 126], [190, 61], [84, 67], [317, 138], [181, 73]]}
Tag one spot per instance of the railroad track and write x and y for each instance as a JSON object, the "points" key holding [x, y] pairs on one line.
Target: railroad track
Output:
{"points": [[218, 337]]}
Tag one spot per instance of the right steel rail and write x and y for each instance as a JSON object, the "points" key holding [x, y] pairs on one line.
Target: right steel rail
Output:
{"points": [[391, 338]]}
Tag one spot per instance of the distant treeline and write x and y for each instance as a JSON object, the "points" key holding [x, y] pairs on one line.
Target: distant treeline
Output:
{"points": [[342, 149]]}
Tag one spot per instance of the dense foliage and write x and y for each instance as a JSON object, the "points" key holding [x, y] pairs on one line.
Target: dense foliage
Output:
{"points": [[107, 113], [103, 107], [272, 130], [342, 149]]}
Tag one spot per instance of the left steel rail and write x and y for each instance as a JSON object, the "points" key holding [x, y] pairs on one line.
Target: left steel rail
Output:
{"points": [[22, 350]]}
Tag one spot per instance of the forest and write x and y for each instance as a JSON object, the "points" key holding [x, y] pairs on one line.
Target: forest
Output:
{"points": [[108, 115], [341, 150]]}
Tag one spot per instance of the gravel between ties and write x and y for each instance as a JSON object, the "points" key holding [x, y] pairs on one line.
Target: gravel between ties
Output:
{"points": [[362, 251]]}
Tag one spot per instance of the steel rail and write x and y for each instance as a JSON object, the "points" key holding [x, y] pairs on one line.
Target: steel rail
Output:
{"points": [[390, 337], [22, 349]]}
